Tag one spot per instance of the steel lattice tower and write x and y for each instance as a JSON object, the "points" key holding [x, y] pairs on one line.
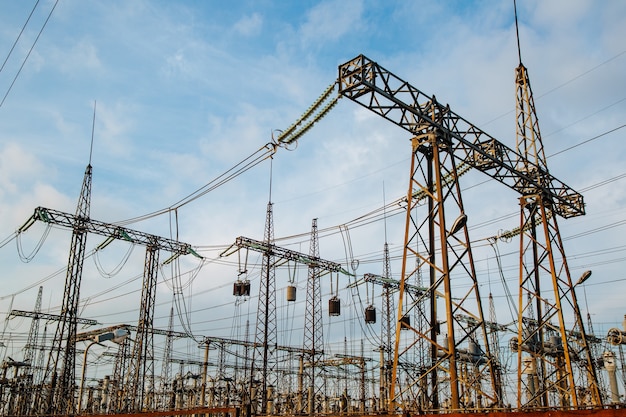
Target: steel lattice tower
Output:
{"points": [[166, 366], [458, 351], [30, 349], [388, 330], [461, 369], [554, 363], [264, 358], [141, 368], [33, 335], [61, 369], [313, 332]]}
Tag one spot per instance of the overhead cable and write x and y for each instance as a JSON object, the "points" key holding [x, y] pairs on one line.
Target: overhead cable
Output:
{"points": [[28, 54], [19, 36]]}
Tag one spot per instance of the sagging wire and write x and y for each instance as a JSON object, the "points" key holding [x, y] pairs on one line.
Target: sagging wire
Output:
{"points": [[42, 239], [509, 297], [41, 281], [177, 285], [261, 154], [354, 264], [116, 270], [183, 312], [174, 283], [283, 139]]}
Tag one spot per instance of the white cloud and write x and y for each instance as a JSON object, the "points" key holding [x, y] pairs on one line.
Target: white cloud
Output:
{"points": [[82, 56], [182, 98], [330, 20], [16, 165], [249, 25]]}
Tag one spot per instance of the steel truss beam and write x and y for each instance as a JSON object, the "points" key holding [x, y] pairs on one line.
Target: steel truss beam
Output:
{"points": [[60, 397], [370, 85], [49, 317], [108, 230], [287, 254]]}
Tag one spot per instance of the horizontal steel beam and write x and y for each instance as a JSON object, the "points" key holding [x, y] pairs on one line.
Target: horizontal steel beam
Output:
{"points": [[289, 255], [108, 230], [370, 85]]}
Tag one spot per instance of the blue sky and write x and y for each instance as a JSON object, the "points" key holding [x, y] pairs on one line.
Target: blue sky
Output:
{"points": [[186, 90]]}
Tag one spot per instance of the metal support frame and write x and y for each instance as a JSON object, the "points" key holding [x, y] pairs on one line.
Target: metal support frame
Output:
{"points": [[60, 370], [264, 357], [558, 369], [524, 171], [314, 262], [370, 85], [313, 329], [141, 368], [62, 360], [554, 364], [437, 240]]}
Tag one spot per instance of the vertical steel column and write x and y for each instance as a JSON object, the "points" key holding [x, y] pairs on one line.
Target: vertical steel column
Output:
{"points": [[436, 238], [141, 367], [313, 331], [266, 336], [63, 353], [558, 360]]}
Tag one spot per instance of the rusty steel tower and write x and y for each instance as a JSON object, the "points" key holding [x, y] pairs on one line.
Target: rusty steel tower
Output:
{"points": [[461, 371]]}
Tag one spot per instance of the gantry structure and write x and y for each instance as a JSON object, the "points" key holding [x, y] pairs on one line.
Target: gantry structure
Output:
{"points": [[554, 361], [60, 369], [440, 351], [263, 374], [437, 241]]}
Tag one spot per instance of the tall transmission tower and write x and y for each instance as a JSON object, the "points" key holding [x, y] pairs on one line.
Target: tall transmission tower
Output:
{"points": [[62, 360], [461, 370], [264, 358], [141, 368], [388, 329], [555, 364], [141, 362], [495, 348], [30, 350], [261, 346], [33, 335], [166, 367], [313, 325]]}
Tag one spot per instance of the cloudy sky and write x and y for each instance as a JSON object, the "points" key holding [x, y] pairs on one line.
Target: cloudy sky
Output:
{"points": [[183, 91]]}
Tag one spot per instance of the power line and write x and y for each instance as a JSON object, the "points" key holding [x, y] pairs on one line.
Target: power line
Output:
{"points": [[28, 54], [590, 139], [19, 36]]}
